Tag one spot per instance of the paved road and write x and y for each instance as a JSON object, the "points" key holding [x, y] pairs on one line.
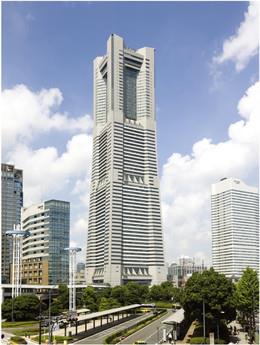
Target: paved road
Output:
{"points": [[152, 333], [99, 337]]}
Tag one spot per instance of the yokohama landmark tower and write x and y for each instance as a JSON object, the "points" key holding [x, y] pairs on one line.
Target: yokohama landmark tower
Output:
{"points": [[125, 240]]}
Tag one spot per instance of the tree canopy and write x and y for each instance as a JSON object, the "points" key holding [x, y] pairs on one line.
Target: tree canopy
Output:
{"points": [[215, 290], [247, 297], [25, 308]]}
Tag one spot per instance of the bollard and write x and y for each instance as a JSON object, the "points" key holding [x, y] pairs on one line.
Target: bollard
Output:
{"points": [[65, 342]]}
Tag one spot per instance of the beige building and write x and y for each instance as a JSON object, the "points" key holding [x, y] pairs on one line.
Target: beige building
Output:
{"points": [[44, 260]]}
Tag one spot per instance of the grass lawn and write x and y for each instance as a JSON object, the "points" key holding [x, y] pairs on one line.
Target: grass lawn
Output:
{"points": [[19, 324], [162, 304], [25, 331], [59, 339]]}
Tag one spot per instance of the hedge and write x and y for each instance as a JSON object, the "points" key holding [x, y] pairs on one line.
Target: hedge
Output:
{"points": [[200, 340], [18, 340]]}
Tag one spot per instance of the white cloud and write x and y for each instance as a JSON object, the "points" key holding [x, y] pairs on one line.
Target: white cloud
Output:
{"points": [[186, 180], [27, 114], [46, 172], [242, 46]]}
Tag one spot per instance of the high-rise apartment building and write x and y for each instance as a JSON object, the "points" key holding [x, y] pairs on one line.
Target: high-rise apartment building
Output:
{"points": [[12, 202], [235, 227], [125, 240], [44, 260]]}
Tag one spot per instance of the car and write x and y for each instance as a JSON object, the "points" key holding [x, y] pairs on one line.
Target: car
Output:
{"points": [[139, 342]]}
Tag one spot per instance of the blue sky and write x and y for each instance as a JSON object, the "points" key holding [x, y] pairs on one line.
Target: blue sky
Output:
{"points": [[52, 45]]}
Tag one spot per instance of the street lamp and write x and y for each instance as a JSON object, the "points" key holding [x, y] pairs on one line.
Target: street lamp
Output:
{"points": [[204, 320], [222, 312], [17, 235], [72, 288]]}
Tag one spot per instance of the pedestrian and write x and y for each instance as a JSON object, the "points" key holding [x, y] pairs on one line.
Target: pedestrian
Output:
{"points": [[170, 338]]}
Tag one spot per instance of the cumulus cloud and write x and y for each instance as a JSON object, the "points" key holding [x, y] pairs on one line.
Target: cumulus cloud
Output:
{"points": [[46, 173], [186, 180], [243, 45], [27, 114]]}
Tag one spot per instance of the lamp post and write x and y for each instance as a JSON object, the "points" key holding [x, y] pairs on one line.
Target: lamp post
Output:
{"points": [[204, 319], [222, 312], [17, 235], [72, 288]]}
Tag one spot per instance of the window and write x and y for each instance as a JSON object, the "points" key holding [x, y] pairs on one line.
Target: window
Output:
{"points": [[130, 76]]}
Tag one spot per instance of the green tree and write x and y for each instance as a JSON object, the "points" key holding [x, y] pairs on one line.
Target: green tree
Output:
{"points": [[90, 298], [61, 302], [108, 303], [165, 292], [156, 293], [120, 294], [216, 291], [136, 293], [63, 296], [25, 307], [247, 298]]}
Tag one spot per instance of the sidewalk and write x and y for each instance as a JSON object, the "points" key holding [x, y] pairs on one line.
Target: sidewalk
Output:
{"points": [[241, 337], [189, 333]]}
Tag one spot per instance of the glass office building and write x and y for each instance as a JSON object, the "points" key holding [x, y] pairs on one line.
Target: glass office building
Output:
{"points": [[44, 260], [12, 202]]}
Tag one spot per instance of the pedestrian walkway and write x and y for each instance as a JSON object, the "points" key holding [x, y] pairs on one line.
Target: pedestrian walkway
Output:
{"points": [[240, 337], [189, 333]]}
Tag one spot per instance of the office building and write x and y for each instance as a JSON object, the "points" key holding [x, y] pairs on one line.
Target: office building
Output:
{"points": [[125, 240], [235, 227], [179, 273], [12, 202], [80, 277], [44, 260], [81, 266]]}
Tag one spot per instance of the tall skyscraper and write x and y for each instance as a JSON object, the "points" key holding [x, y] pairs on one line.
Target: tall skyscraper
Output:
{"points": [[125, 240], [12, 202], [235, 227], [44, 260]]}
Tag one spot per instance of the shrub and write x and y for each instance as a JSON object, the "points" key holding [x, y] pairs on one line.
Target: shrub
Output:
{"points": [[18, 340], [199, 340]]}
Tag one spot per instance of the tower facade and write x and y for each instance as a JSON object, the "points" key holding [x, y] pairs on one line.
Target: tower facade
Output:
{"points": [[44, 260], [125, 240], [235, 227], [12, 202]]}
